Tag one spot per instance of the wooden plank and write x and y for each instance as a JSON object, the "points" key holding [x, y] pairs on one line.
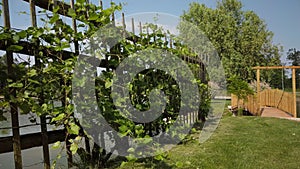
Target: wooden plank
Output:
{"points": [[258, 89], [113, 19], [123, 25], [63, 8], [141, 29], [26, 140], [29, 48], [45, 142], [133, 26], [74, 26], [44, 4], [276, 67], [294, 92], [13, 106]]}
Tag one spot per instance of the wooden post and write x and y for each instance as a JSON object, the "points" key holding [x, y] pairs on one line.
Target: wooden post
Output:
{"points": [[87, 9], [141, 29], [124, 25], [101, 4], [13, 107], [44, 134], [147, 30], [113, 19], [133, 31], [132, 23], [294, 92], [45, 142], [258, 90], [74, 25], [166, 40]]}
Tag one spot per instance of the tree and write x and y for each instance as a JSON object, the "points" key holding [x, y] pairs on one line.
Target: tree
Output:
{"points": [[241, 38], [294, 56], [241, 89], [278, 78]]}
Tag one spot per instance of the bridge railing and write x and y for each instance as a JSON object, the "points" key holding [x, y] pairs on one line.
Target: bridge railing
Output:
{"points": [[250, 104], [270, 97]]}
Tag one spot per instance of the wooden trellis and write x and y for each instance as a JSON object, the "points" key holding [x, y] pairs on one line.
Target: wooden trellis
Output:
{"points": [[18, 142]]}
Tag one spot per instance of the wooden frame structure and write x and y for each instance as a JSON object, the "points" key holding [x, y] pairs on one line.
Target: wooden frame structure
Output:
{"points": [[258, 68], [17, 142]]}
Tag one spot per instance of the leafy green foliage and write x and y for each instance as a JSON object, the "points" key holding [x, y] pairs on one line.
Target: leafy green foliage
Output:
{"points": [[45, 88], [240, 88], [293, 56], [240, 37]]}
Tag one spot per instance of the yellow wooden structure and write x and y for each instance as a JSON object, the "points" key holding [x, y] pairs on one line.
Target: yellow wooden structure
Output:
{"points": [[273, 98], [270, 98]]}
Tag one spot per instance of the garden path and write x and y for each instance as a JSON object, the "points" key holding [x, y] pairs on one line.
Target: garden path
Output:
{"points": [[273, 112]]}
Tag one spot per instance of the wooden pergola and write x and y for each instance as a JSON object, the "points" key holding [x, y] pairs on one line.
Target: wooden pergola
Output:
{"points": [[258, 68]]}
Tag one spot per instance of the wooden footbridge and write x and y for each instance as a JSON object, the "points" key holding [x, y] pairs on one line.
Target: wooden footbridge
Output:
{"points": [[271, 102]]}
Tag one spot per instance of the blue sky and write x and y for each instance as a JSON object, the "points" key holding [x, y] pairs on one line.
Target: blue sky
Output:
{"points": [[281, 16]]}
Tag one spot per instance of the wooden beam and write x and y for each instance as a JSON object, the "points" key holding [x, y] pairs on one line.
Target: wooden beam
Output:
{"points": [[294, 92], [74, 26], [63, 8], [27, 140], [276, 67], [13, 106], [45, 4], [123, 25], [132, 25], [141, 29], [258, 90], [29, 49]]}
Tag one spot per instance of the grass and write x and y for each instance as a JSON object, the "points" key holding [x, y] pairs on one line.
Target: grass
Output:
{"points": [[239, 142]]}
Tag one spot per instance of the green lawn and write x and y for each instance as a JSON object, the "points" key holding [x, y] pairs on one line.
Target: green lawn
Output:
{"points": [[239, 142]]}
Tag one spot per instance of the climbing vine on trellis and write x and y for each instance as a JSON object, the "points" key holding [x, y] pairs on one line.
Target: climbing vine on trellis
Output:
{"points": [[49, 79]]}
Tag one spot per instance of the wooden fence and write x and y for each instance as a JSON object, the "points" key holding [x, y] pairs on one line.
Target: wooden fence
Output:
{"points": [[271, 97], [189, 118], [17, 142]]}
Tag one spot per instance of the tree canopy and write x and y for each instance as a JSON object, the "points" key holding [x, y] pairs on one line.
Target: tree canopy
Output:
{"points": [[293, 55], [240, 37]]}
